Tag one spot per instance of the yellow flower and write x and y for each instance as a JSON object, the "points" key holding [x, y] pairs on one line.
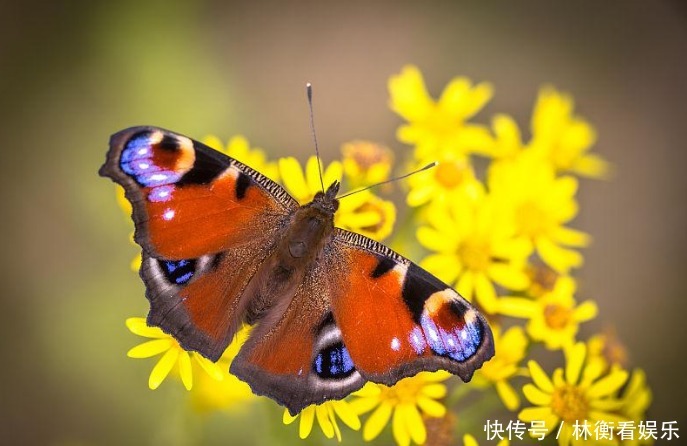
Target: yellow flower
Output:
{"points": [[541, 204], [554, 318], [408, 400], [563, 138], [239, 148], [452, 179], [326, 414], [361, 212], [436, 126], [510, 348], [228, 393], [469, 440], [474, 249], [580, 393], [366, 163], [172, 354]]}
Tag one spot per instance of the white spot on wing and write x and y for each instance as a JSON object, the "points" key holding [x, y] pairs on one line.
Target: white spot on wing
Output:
{"points": [[168, 215], [395, 344]]}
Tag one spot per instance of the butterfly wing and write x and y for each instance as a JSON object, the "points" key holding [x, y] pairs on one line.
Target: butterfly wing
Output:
{"points": [[396, 319], [204, 221], [296, 355]]}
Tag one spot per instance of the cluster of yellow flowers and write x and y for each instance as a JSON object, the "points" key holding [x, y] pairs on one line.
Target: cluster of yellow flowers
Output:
{"points": [[491, 220]]}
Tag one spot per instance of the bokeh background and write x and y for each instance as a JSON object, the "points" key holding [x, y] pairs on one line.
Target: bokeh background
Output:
{"points": [[73, 72]]}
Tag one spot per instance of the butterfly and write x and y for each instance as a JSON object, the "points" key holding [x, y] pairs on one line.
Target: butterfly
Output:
{"points": [[223, 245]]}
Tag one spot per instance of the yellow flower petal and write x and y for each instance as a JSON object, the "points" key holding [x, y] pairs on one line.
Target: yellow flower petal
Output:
{"points": [[375, 424], [409, 97], [608, 384], [312, 176], [593, 166], [461, 100], [517, 307], [587, 310], [431, 407], [333, 173], [536, 396], [485, 292], [539, 377], [571, 237], [469, 440], [557, 257], [414, 423], [150, 348], [287, 418], [323, 420], [293, 178], [534, 413], [508, 395], [185, 370], [445, 266], [606, 405], [211, 368], [345, 412], [213, 142], [509, 276], [436, 391], [307, 420], [400, 428], [335, 425], [162, 368], [575, 358], [465, 285], [139, 326]]}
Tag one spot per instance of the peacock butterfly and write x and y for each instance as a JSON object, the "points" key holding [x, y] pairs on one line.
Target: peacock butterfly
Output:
{"points": [[331, 309]]}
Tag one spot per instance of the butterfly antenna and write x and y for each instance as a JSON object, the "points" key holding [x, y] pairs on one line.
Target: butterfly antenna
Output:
{"points": [[308, 88], [428, 166]]}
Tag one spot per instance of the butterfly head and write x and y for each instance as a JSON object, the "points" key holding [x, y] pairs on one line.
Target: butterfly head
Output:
{"points": [[326, 201]]}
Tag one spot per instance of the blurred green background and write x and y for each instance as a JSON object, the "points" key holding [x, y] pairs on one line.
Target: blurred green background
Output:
{"points": [[74, 72]]}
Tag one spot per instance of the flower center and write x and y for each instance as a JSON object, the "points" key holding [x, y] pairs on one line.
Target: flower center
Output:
{"points": [[404, 391], [450, 174], [531, 220], [475, 255], [557, 316], [569, 403]]}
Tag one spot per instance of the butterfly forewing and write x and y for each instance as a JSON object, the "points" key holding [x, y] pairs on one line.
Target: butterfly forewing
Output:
{"points": [[205, 222]]}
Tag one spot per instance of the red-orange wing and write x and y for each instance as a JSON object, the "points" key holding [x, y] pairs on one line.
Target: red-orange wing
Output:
{"points": [[295, 355], [396, 319], [205, 222], [188, 199]]}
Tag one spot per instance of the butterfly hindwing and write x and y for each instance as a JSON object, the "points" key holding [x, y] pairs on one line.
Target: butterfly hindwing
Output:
{"points": [[396, 319], [296, 354], [204, 221], [198, 301]]}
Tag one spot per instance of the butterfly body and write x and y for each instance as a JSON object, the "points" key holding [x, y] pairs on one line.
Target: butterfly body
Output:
{"points": [[223, 246]]}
